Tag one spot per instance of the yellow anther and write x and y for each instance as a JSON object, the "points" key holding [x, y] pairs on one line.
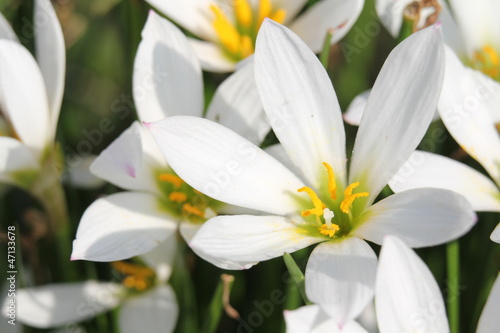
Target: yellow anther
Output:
{"points": [[137, 283], [190, 209], [243, 12], [131, 269], [278, 16], [265, 9], [349, 197], [318, 204], [487, 60], [172, 179], [332, 185], [177, 197], [493, 55], [225, 30], [246, 46], [329, 230]]}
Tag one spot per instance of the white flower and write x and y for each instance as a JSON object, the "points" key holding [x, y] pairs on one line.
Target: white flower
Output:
{"points": [[315, 199], [408, 299], [146, 302], [167, 81], [30, 96], [228, 29]]}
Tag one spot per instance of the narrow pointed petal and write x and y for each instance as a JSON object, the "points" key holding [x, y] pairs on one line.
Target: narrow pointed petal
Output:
{"points": [[466, 105], [194, 15], [225, 166], [54, 305], [398, 115], [356, 109], [14, 156], [478, 22], [407, 297], [154, 312], [340, 277], [121, 226], [162, 257], [420, 217], [6, 31], [335, 15], [122, 163], [495, 235], [211, 57], [51, 56], [23, 96], [241, 241], [167, 76], [489, 320], [300, 102], [236, 105], [431, 170]]}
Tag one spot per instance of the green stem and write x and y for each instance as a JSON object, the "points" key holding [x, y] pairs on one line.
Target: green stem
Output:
{"points": [[453, 267], [325, 51]]}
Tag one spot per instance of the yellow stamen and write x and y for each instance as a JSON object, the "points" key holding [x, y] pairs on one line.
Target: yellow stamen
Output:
{"points": [[487, 60], [329, 230], [265, 9], [137, 283], [172, 179], [177, 197], [349, 197], [492, 54], [226, 32], [332, 185], [318, 204], [190, 209], [246, 46], [131, 269], [278, 16], [243, 12]]}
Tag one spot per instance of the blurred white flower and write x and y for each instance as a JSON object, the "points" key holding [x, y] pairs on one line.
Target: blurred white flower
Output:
{"points": [[311, 202], [167, 81], [228, 29]]}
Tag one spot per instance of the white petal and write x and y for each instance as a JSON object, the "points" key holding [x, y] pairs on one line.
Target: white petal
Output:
{"points": [[431, 170], [241, 241], [153, 312], [211, 57], [194, 15], [225, 166], [80, 176], [54, 305], [495, 235], [397, 115], [336, 15], [51, 56], [236, 105], [188, 230], [14, 156], [23, 95], [167, 75], [162, 257], [340, 277], [300, 102], [278, 152], [420, 217], [123, 163], [121, 226], [464, 106], [478, 22], [356, 109], [489, 320], [6, 31], [407, 297]]}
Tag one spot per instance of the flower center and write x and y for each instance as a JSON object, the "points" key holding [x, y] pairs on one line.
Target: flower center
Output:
{"points": [[138, 278], [237, 35], [487, 60], [182, 201], [321, 210]]}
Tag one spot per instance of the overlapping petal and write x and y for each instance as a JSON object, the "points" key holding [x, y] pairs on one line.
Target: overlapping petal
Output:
{"points": [[340, 278], [211, 57], [6, 31], [15, 156], [495, 235], [121, 226], [489, 320], [300, 102], [407, 296], [167, 76], [398, 115], [225, 166], [237, 242], [420, 217]]}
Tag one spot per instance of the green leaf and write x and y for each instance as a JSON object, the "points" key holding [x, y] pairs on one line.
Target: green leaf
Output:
{"points": [[216, 305], [297, 276]]}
